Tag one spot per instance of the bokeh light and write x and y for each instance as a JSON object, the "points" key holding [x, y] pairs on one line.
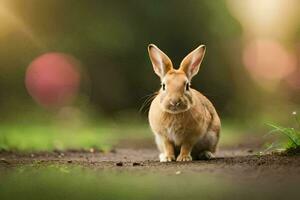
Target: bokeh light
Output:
{"points": [[269, 18], [268, 60], [12, 23], [268, 26], [53, 79]]}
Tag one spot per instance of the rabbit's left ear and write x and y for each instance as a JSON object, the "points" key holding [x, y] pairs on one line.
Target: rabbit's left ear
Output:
{"points": [[160, 61], [191, 63]]}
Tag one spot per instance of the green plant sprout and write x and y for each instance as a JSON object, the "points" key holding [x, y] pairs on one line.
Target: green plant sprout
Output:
{"points": [[293, 135]]}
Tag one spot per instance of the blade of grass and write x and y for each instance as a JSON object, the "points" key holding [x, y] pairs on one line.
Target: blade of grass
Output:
{"points": [[287, 132]]}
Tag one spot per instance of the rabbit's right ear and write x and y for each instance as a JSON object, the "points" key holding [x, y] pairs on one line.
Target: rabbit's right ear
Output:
{"points": [[160, 61]]}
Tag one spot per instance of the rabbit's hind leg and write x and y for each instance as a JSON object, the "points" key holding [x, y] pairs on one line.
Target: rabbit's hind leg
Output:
{"points": [[206, 146]]}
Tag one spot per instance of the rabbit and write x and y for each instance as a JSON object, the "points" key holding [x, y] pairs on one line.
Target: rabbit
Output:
{"points": [[184, 122]]}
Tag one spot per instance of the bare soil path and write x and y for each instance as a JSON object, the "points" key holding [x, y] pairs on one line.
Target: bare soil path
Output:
{"points": [[237, 172], [239, 161]]}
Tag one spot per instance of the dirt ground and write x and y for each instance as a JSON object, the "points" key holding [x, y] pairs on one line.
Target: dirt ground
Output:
{"points": [[241, 160]]}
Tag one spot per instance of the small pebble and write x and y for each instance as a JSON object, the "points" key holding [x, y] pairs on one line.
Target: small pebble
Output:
{"points": [[136, 164], [4, 161], [119, 164], [113, 151], [32, 155], [92, 150], [178, 172]]}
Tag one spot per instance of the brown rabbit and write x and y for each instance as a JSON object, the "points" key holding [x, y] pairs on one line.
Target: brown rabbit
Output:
{"points": [[184, 122]]}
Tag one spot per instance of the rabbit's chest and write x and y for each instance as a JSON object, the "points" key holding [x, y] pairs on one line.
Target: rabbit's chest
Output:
{"points": [[176, 132], [182, 128]]}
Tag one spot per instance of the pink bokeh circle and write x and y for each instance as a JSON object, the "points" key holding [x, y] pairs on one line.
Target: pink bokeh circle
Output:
{"points": [[53, 79]]}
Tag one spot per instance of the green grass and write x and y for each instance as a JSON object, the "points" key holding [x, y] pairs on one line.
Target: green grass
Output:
{"points": [[67, 182], [32, 137], [292, 134]]}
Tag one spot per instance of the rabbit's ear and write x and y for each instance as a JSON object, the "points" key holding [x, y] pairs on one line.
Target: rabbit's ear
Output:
{"points": [[160, 61], [191, 63]]}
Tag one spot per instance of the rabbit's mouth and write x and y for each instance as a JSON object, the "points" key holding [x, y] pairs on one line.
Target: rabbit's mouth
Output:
{"points": [[173, 109]]}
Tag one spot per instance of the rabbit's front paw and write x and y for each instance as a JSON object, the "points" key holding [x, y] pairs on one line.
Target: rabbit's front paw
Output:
{"points": [[165, 158], [184, 158]]}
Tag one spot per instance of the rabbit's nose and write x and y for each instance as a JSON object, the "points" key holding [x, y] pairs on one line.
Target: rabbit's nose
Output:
{"points": [[175, 103]]}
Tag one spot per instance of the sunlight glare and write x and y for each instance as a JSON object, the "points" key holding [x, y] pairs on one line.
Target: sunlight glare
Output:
{"points": [[12, 23]]}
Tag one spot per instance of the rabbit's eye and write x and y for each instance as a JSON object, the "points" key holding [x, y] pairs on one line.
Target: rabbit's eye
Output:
{"points": [[163, 86], [187, 86]]}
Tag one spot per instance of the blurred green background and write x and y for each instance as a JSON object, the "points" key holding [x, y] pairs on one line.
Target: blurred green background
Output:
{"points": [[250, 71]]}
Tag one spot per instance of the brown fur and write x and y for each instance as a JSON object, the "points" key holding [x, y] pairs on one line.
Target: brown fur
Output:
{"points": [[190, 128]]}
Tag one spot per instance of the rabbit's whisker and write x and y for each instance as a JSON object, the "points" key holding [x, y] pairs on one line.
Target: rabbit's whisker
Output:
{"points": [[147, 101]]}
